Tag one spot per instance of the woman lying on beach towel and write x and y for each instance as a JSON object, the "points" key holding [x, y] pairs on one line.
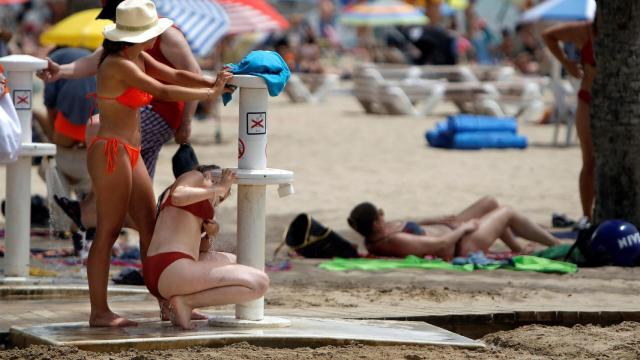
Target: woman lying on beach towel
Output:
{"points": [[475, 228], [121, 183], [180, 266]]}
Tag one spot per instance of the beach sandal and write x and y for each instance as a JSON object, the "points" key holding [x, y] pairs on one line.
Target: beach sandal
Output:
{"points": [[72, 209], [561, 221]]}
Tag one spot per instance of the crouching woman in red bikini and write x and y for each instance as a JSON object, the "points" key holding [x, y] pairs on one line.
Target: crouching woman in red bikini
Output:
{"points": [[121, 182], [180, 266]]}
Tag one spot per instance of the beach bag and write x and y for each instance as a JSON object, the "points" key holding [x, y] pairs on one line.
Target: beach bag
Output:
{"points": [[184, 160], [39, 211], [308, 238], [582, 246], [10, 130]]}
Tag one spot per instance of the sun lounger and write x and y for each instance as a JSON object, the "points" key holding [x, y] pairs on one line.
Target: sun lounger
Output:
{"points": [[310, 87], [398, 89], [564, 92], [398, 97]]}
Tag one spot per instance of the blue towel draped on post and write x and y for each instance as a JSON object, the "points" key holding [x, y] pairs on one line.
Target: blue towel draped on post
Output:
{"points": [[268, 65]]}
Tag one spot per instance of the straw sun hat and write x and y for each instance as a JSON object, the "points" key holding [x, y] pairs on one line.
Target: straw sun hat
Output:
{"points": [[136, 22]]}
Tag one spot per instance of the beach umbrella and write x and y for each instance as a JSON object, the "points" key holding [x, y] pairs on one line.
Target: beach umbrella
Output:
{"points": [[203, 22], [561, 10], [12, 2], [382, 13], [78, 30], [454, 4], [252, 15]]}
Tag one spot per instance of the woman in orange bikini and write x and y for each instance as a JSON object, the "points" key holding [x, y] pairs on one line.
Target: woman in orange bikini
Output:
{"points": [[475, 228], [582, 34], [178, 251], [121, 182]]}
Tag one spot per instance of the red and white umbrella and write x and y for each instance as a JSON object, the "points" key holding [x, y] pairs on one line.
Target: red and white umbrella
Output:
{"points": [[11, 2], [252, 15]]}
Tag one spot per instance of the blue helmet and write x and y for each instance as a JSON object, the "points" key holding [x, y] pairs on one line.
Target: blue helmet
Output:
{"points": [[619, 241]]}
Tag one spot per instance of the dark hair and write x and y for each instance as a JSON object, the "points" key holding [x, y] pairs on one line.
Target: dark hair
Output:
{"points": [[112, 47], [362, 218], [109, 10]]}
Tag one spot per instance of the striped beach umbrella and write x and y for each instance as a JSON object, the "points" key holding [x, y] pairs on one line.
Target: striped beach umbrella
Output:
{"points": [[252, 16], [382, 13], [561, 10], [203, 22]]}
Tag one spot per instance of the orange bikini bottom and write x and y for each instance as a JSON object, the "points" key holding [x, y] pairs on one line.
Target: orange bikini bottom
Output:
{"points": [[111, 151]]}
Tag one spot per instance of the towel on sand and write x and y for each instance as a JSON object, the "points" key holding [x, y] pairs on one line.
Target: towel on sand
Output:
{"points": [[519, 263]]}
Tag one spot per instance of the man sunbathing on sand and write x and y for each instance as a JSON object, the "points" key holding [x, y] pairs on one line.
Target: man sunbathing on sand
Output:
{"points": [[180, 266], [476, 228]]}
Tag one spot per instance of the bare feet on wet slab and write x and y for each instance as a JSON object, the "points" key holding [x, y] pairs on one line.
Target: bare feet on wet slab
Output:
{"points": [[165, 313], [110, 319], [180, 313]]}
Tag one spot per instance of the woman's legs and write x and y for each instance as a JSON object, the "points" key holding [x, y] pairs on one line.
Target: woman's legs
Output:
{"points": [[583, 128], [493, 225], [210, 285], [142, 206], [215, 258], [482, 207], [112, 198]]}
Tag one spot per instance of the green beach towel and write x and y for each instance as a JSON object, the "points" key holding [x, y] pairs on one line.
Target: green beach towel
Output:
{"points": [[518, 263]]}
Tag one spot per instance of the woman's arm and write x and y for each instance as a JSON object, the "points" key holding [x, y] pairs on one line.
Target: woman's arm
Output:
{"points": [[81, 68], [192, 188], [437, 220], [131, 75], [573, 32], [403, 244]]}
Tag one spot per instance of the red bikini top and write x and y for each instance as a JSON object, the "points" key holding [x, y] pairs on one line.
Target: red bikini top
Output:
{"points": [[202, 209], [131, 97]]}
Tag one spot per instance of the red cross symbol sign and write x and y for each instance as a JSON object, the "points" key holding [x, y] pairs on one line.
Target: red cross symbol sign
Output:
{"points": [[22, 99], [256, 123]]}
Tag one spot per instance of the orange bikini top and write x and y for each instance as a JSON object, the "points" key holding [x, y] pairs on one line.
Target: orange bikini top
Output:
{"points": [[131, 97]]}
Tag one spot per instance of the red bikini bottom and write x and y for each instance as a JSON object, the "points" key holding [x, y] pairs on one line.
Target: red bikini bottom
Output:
{"points": [[153, 267], [585, 96], [111, 151]]}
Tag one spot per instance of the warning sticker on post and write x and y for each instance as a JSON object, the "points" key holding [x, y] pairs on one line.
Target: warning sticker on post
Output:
{"points": [[22, 99], [256, 123]]}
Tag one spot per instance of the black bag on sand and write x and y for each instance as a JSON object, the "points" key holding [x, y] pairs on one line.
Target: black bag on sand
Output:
{"points": [[184, 160], [589, 258], [309, 238]]}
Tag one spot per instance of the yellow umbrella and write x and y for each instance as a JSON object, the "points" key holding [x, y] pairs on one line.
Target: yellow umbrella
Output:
{"points": [[78, 30], [456, 4]]}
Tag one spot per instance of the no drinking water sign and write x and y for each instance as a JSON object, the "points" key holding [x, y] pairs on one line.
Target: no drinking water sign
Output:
{"points": [[256, 123]]}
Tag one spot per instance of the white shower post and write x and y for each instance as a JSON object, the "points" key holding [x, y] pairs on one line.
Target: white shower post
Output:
{"points": [[20, 70]]}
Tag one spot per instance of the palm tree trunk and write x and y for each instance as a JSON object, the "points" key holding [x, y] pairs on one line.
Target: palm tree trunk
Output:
{"points": [[615, 111]]}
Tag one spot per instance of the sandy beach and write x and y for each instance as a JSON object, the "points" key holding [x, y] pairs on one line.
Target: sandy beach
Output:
{"points": [[340, 157]]}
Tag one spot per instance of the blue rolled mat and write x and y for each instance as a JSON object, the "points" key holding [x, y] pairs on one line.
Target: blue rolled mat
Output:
{"points": [[485, 139], [438, 139], [473, 123]]}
